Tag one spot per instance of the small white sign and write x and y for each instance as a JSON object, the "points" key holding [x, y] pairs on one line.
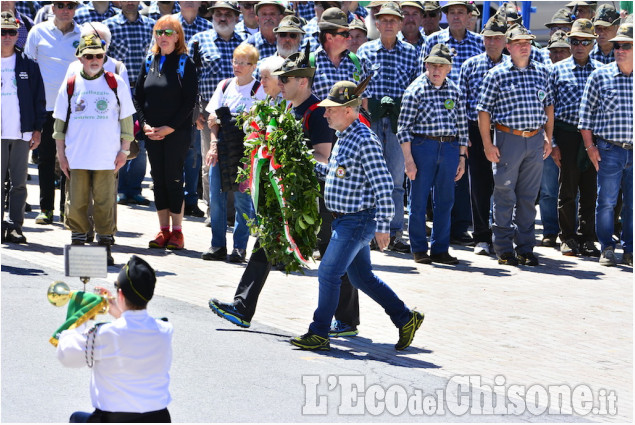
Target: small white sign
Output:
{"points": [[85, 261]]}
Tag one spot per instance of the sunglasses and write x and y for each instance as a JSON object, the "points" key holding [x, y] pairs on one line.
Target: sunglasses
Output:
{"points": [[69, 6], [345, 34], [167, 33], [284, 79], [429, 14], [623, 46], [91, 57], [291, 35], [575, 42], [11, 33]]}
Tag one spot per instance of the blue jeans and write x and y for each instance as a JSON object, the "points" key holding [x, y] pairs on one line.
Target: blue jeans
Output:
{"points": [[396, 166], [549, 197], [192, 169], [349, 252], [218, 213], [615, 173], [436, 168], [132, 173]]}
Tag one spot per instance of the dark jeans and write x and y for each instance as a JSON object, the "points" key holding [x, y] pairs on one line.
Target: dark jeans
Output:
{"points": [[481, 184], [158, 416], [46, 165], [166, 158], [576, 174]]}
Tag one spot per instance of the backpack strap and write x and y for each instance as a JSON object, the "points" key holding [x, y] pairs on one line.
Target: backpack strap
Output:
{"points": [[149, 60], [307, 114], [70, 89], [112, 83], [182, 61], [255, 88], [353, 57], [225, 84], [312, 59]]}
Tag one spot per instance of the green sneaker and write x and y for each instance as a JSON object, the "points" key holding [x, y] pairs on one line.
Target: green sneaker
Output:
{"points": [[407, 331], [45, 217], [311, 341]]}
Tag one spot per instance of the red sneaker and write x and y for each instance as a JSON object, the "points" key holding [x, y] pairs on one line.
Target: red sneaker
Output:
{"points": [[161, 240], [176, 241]]}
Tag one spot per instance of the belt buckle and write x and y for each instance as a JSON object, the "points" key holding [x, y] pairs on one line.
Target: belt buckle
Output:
{"points": [[526, 134]]}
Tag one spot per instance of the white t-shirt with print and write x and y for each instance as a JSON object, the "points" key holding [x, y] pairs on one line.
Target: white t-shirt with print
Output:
{"points": [[237, 98], [93, 137], [11, 127]]}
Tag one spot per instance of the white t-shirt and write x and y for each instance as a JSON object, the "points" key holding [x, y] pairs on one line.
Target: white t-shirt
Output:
{"points": [[237, 98], [109, 65], [11, 127], [93, 137]]}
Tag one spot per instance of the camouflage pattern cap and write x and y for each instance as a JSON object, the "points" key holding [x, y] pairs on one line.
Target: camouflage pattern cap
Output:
{"points": [[518, 32], [559, 39], [624, 33], [583, 28], [561, 17], [297, 65], [606, 16], [342, 94], [496, 25]]}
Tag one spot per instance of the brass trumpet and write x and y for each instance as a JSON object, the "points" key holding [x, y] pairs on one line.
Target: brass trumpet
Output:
{"points": [[59, 293]]}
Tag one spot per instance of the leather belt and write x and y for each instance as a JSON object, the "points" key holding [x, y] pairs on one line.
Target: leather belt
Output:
{"points": [[437, 138], [525, 134], [627, 146]]}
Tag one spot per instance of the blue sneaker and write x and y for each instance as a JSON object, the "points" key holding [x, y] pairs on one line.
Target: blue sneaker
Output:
{"points": [[228, 312], [339, 328]]}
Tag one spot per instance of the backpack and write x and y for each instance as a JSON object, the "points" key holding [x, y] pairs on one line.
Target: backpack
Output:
{"points": [[180, 71], [70, 89], [254, 88], [353, 57]]}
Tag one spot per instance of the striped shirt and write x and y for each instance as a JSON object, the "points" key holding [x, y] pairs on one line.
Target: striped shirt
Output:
{"points": [[607, 104], [471, 45], [432, 112], [471, 79], [357, 177]]}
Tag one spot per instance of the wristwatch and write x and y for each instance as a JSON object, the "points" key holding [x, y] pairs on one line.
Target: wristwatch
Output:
{"points": [[125, 152]]}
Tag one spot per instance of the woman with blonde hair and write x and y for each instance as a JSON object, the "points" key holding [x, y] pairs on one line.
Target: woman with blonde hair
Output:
{"points": [[165, 95]]}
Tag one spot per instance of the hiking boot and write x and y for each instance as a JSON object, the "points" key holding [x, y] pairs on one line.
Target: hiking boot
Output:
{"points": [[398, 245], [339, 328], [15, 236], [45, 217], [508, 259], [627, 259], [215, 254], [461, 239], [527, 259], [549, 240], [422, 258], [109, 260], [311, 341], [139, 200], [407, 331], [194, 211], [122, 199], [237, 256], [588, 249], [607, 258], [482, 248], [176, 241], [444, 258], [228, 312], [161, 241], [570, 248]]}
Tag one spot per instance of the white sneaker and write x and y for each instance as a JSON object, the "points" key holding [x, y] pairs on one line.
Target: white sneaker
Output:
{"points": [[482, 248]]}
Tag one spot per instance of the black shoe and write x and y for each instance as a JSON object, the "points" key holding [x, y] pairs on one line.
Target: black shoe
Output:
{"points": [[228, 312], [237, 256], [109, 260], [407, 331], [139, 200], [215, 254], [422, 258], [15, 236], [398, 245], [461, 239], [549, 241], [27, 207], [508, 259], [527, 259], [194, 211], [570, 248], [444, 258], [588, 249]]}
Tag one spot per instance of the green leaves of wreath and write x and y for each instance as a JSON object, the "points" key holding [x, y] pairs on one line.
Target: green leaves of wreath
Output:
{"points": [[279, 172]]}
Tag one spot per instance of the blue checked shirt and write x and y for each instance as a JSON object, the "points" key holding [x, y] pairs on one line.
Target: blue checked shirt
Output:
{"points": [[433, 112], [516, 97], [130, 42], [198, 25], [419, 45], [597, 54], [397, 68], [567, 81], [154, 13], [28, 8], [312, 35], [265, 48], [357, 177], [471, 79], [471, 45], [89, 14], [326, 74], [242, 30], [304, 9], [607, 104], [216, 57]]}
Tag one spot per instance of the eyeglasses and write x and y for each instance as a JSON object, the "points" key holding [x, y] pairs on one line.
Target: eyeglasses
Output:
{"points": [[291, 35], [167, 33], [69, 6], [10, 33], [91, 57], [236, 63], [284, 79], [345, 34], [429, 14], [575, 42], [623, 46]]}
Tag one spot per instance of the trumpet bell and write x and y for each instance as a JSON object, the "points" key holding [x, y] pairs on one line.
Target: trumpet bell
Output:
{"points": [[58, 293]]}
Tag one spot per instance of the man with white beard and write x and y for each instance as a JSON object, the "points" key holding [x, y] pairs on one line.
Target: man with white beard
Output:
{"points": [[288, 38]]}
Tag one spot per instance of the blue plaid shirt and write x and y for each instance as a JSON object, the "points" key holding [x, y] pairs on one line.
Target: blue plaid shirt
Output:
{"points": [[304, 9], [607, 104], [471, 78], [421, 42], [516, 97], [597, 54], [397, 68], [431, 111], [27, 7], [242, 30], [198, 25], [326, 74], [567, 81], [130, 42], [153, 10], [312, 35], [471, 45], [89, 14], [357, 177], [216, 57], [265, 48]]}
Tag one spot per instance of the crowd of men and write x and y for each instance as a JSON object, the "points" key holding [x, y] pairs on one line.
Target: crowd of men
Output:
{"points": [[475, 127]]}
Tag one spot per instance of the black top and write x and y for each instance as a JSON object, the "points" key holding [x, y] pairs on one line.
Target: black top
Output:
{"points": [[319, 130], [162, 97]]}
